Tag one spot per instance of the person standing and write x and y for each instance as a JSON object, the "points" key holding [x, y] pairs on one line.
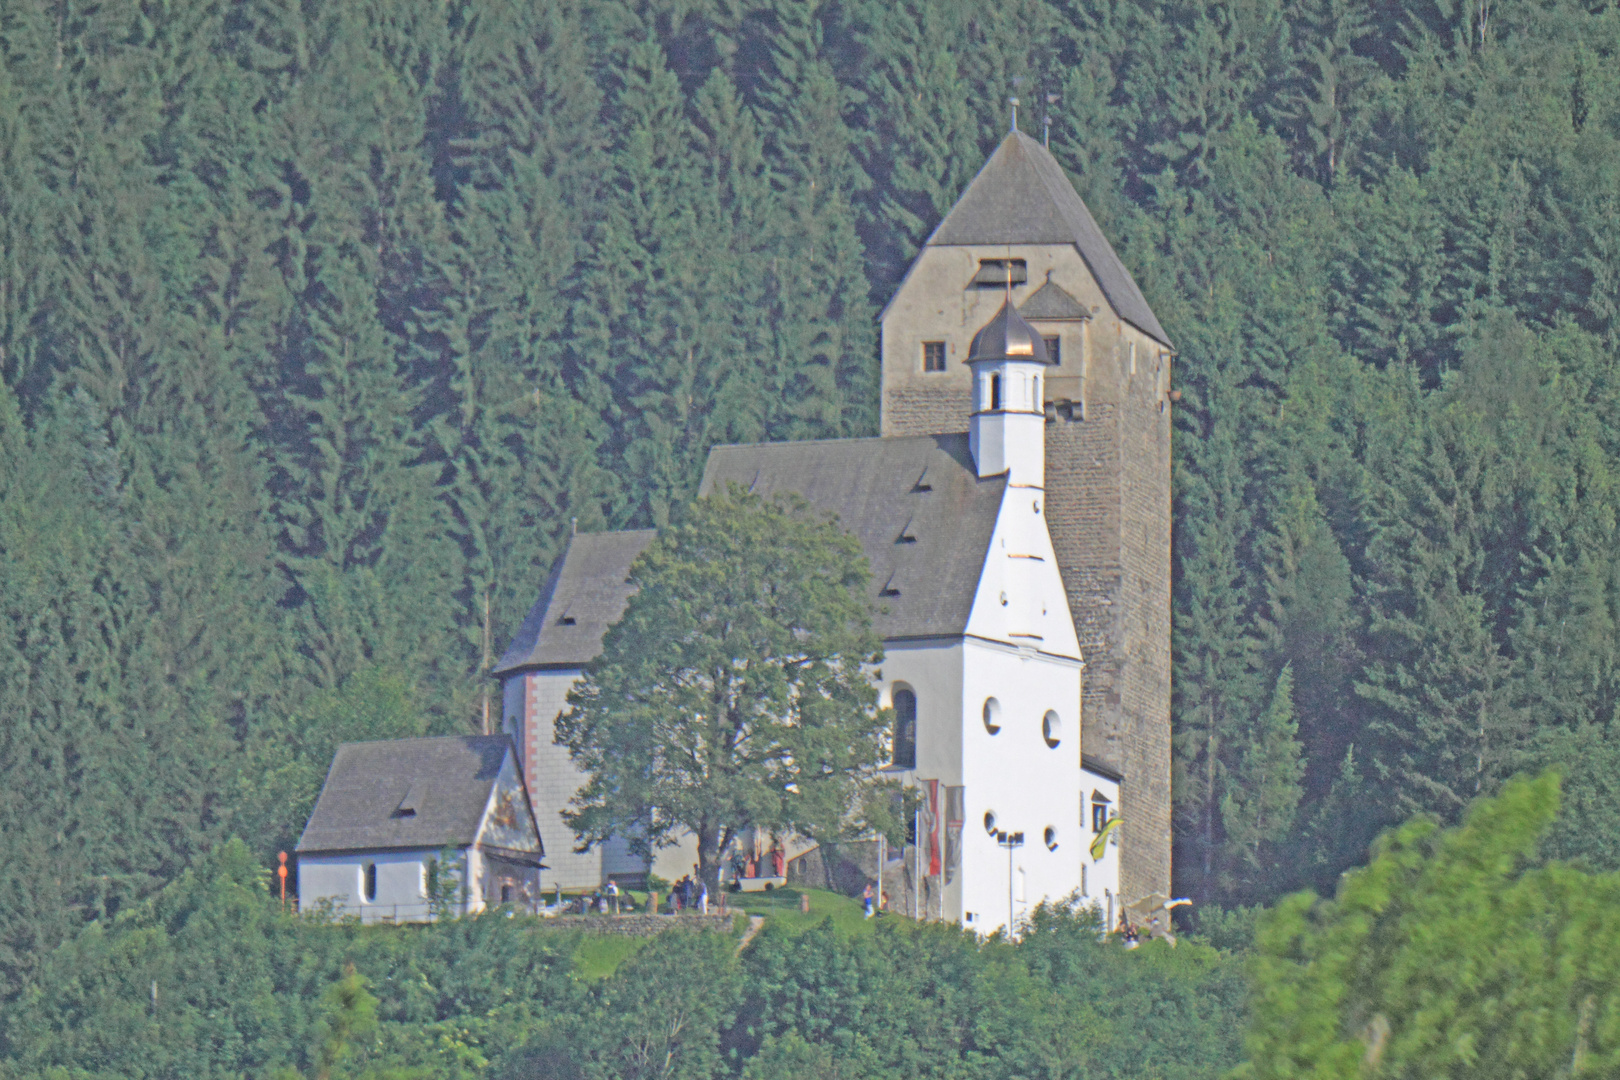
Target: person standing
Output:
{"points": [[867, 899], [613, 895]]}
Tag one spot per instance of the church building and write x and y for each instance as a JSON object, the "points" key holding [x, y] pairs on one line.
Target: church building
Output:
{"points": [[1015, 511]]}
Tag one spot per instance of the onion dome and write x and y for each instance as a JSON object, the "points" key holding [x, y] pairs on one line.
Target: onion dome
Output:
{"points": [[1008, 337]]}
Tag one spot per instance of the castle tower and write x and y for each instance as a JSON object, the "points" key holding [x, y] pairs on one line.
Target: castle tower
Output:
{"points": [[1021, 234]]}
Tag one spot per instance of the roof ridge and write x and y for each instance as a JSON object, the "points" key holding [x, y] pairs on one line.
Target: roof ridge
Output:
{"points": [[1023, 195]]}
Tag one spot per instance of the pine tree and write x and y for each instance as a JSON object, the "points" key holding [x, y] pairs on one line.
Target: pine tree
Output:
{"points": [[1259, 805]]}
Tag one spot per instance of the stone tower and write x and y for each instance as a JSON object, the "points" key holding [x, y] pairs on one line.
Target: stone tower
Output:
{"points": [[1022, 228]]}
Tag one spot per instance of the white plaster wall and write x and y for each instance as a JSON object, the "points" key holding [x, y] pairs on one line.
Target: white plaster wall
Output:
{"points": [[1028, 785], [1101, 875], [401, 885], [933, 670]]}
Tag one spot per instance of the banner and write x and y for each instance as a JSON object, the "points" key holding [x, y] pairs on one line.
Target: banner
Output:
{"points": [[930, 812], [955, 812], [1099, 846]]}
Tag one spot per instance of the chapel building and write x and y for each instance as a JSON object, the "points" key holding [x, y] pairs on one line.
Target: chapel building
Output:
{"points": [[1015, 511]]}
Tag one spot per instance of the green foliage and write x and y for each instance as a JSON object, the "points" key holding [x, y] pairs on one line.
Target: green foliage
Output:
{"points": [[731, 694], [209, 978], [1449, 954], [320, 324]]}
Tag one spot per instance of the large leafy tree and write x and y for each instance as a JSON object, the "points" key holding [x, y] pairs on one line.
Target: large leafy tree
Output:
{"points": [[1448, 955], [735, 691]]}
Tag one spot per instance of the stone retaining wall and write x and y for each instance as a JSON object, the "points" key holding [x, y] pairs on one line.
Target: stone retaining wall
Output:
{"points": [[638, 925]]}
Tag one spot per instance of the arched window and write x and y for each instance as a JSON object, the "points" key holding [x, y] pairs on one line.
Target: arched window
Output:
{"points": [[370, 883], [905, 729], [995, 392], [1051, 728], [992, 713]]}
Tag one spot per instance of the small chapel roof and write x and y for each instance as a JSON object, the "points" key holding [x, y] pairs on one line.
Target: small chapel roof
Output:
{"points": [[413, 793], [1022, 196]]}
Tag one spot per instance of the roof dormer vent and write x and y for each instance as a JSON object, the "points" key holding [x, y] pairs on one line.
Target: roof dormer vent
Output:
{"points": [[1000, 273]]}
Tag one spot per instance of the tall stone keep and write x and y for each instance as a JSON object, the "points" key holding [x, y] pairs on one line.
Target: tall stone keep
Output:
{"points": [[1021, 229]]}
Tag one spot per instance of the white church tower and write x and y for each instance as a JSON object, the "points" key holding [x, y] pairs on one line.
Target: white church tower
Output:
{"points": [[1007, 430]]}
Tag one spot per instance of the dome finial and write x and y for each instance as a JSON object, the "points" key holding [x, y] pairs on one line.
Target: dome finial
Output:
{"points": [[1008, 337]]}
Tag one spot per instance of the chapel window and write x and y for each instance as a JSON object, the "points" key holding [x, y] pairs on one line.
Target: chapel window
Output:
{"points": [[369, 883], [905, 729], [933, 355], [1054, 345]]}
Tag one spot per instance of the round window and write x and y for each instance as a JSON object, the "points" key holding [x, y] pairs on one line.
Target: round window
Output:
{"points": [[1051, 838], [992, 716], [1051, 728], [990, 821]]}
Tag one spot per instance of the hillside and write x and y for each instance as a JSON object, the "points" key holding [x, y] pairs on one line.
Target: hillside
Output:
{"points": [[321, 324]]}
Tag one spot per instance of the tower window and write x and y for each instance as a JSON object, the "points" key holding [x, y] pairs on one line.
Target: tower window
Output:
{"points": [[1050, 836], [995, 273], [992, 716], [1054, 344], [1051, 728], [905, 729], [933, 356], [1099, 816], [995, 392]]}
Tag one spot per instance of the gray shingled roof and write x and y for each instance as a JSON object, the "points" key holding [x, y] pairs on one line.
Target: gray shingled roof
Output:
{"points": [[1052, 302], [447, 781], [585, 595], [916, 504], [1022, 196]]}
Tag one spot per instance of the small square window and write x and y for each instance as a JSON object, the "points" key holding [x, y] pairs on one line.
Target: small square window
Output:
{"points": [[1054, 347], [933, 356]]}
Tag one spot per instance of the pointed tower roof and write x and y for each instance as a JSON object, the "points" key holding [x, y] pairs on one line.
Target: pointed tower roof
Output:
{"points": [[1022, 196], [1008, 337]]}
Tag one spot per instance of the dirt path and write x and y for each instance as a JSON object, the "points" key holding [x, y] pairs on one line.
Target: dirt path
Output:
{"points": [[755, 922]]}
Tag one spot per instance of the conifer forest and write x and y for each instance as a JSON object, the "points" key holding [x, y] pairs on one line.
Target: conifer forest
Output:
{"points": [[323, 322]]}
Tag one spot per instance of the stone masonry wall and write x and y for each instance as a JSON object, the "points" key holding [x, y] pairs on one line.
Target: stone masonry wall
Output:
{"points": [[1108, 500], [638, 925]]}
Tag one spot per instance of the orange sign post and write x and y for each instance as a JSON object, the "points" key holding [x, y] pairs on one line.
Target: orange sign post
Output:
{"points": [[281, 872]]}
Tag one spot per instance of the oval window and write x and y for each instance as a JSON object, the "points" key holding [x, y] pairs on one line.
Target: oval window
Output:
{"points": [[1051, 728], [990, 822], [1051, 838], [992, 716]]}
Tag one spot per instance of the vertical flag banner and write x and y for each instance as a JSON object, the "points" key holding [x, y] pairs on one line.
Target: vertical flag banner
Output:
{"points": [[931, 823], [955, 812]]}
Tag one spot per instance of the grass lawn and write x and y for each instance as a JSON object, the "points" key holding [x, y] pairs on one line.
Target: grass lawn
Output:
{"points": [[599, 955], [781, 908]]}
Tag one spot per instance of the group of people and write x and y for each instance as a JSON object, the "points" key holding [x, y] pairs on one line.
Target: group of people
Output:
{"points": [[689, 894]]}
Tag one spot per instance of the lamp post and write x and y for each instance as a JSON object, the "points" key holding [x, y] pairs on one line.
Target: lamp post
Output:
{"points": [[1011, 841]]}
